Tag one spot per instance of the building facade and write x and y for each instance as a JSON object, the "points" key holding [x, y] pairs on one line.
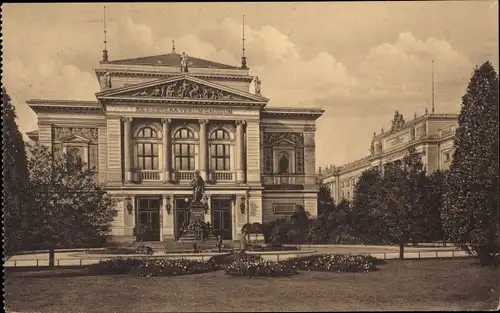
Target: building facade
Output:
{"points": [[431, 135], [159, 119]]}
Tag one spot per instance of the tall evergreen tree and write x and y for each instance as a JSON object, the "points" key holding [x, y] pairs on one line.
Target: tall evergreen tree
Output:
{"points": [[471, 208], [16, 180]]}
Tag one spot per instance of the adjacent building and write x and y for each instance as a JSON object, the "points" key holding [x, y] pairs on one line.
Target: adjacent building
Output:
{"points": [[159, 119], [430, 134]]}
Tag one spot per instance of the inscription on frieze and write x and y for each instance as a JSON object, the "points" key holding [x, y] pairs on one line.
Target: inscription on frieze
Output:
{"points": [[185, 89], [171, 110]]}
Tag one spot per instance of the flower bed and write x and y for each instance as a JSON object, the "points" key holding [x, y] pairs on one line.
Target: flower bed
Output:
{"points": [[224, 260], [172, 267], [114, 266], [256, 268], [151, 267], [334, 263]]}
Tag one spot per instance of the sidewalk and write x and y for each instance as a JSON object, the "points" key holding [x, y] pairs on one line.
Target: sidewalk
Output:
{"points": [[80, 259]]}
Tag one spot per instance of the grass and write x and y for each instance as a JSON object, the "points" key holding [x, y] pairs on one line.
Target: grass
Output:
{"points": [[458, 284]]}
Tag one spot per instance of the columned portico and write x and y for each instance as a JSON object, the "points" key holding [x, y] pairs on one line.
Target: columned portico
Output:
{"points": [[203, 149], [166, 150], [127, 146]]}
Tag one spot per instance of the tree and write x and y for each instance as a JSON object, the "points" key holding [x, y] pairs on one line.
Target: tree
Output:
{"points": [[325, 200], [16, 181], [400, 201], [368, 224], [71, 209], [471, 210], [433, 202]]}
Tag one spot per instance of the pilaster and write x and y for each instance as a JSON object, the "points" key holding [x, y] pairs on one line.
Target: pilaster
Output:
{"points": [[166, 150], [203, 156], [127, 146], [240, 166]]}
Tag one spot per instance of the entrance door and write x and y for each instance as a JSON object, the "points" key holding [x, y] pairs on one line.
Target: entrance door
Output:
{"points": [[221, 218], [148, 216], [181, 215]]}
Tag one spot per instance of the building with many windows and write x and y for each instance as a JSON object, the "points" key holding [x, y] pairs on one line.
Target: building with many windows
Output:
{"points": [[431, 135], [159, 119]]}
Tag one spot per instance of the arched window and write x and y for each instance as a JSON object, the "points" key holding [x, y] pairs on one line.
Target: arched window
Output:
{"points": [[184, 150], [183, 133], [220, 155], [147, 149], [284, 161], [147, 132], [75, 155]]}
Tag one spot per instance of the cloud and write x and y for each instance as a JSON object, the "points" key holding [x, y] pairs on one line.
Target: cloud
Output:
{"points": [[359, 98]]}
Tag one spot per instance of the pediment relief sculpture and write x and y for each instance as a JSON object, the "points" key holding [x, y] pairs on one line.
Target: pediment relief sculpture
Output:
{"points": [[62, 133], [275, 137], [185, 89]]}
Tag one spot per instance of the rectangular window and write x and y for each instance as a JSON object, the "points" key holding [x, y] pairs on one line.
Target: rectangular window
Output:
{"points": [[219, 157], [447, 157], [147, 156], [184, 156]]}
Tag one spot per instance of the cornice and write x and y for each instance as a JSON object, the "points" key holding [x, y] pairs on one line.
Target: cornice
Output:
{"points": [[128, 73], [415, 121]]}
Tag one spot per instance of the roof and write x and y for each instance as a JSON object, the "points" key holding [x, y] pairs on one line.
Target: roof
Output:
{"points": [[173, 59], [291, 112], [33, 135], [41, 104]]}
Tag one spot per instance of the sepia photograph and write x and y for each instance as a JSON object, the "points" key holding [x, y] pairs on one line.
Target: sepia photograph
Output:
{"points": [[250, 156]]}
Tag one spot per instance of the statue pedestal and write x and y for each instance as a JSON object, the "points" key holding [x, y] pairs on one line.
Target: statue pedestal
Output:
{"points": [[194, 232]]}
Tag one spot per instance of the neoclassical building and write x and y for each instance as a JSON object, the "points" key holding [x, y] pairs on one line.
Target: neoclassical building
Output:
{"points": [[159, 119], [431, 135]]}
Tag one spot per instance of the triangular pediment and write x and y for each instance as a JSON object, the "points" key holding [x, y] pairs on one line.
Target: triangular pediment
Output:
{"points": [[74, 139], [181, 87], [283, 142]]}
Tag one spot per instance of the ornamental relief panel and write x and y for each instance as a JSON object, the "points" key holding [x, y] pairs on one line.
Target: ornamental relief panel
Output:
{"points": [[185, 89], [60, 133], [273, 137]]}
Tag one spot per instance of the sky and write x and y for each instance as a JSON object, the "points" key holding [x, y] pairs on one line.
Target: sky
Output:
{"points": [[359, 61]]}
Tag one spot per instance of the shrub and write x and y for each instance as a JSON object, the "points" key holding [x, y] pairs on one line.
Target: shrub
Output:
{"points": [[334, 263], [258, 268]]}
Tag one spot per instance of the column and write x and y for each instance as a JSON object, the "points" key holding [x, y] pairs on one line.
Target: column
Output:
{"points": [[203, 149], [167, 156], [240, 152], [127, 146]]}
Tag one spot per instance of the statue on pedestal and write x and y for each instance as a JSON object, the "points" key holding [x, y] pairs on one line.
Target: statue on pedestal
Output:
{"points": [[257, 83], [184, 63], [198, 185]]}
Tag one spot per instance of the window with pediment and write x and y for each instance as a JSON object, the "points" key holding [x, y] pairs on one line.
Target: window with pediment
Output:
{"points": [[79, 144], [147, 144], [220, 150], [184, 153], [277, 142]]}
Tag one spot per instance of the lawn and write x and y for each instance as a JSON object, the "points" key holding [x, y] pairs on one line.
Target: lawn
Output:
{"points": [[443, 284]]}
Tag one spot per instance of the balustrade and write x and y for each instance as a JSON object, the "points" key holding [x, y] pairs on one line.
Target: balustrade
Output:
{"points": [[147, 175]]}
